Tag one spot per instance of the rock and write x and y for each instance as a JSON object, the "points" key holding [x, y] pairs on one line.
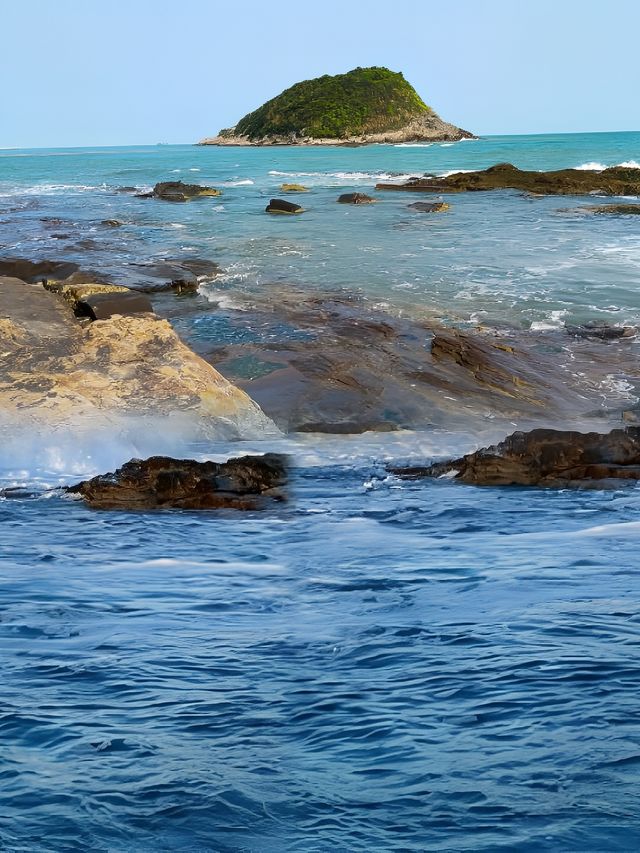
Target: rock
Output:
{"points": [[279, 205], [356, 198], [56, 372], [604, 331], [293, 188], [614, 209], [181, 276], [111, 223], [178, 191], [101, 306], [332, 362], [73, 292], [546, 457], [429, 207], [615, 181], [160, 482], [34, 271], [363, 106]]}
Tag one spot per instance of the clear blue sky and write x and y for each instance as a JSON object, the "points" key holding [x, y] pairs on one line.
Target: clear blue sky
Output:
{"points": [[108, 72]]}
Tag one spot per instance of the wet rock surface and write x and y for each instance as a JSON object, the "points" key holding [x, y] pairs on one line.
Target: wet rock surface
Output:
{"points": [[356, 198], [617, 180], [545, 457], [429, 207], [161, 482], [332, 362]]}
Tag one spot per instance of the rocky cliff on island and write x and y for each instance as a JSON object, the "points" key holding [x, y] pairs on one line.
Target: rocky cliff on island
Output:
{"points": [[362, 106]]}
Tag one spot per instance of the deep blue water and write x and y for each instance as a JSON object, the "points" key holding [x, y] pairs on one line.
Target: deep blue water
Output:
{"points": [[377, 665]]}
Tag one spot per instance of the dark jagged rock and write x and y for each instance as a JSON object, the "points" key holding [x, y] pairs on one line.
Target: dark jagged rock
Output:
{"points": [[111, 223], [429, 207], [181, 276], [101, 306], [178, 191], [618, 180], [279, 205], [546, 457], [160, 482], [356, 198]]}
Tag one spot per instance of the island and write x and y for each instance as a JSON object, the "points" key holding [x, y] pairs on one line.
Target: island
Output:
{"points": [[365, 105]]}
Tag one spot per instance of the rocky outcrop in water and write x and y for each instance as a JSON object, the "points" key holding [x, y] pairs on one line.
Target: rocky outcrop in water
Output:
{"points": [[429, 207], [618, 180], [546, 457], [179, 191], [356, 198], [245, 483], [279, 205]]}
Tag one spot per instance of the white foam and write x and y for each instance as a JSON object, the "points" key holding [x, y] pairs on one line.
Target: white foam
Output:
{"points": [[553, 321], [595, 166], [592, 166], [456, 172], [413, 145], [242, 182]]}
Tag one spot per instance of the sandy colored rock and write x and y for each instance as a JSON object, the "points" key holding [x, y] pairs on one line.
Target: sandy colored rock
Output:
{"points": [[55, 370]]}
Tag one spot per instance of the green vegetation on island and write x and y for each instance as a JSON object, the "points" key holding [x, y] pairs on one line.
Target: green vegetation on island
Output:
{"points": [[365, 100]]}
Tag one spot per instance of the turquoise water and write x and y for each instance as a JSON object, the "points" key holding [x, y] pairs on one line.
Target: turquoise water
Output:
{"points": [[379, 665]]}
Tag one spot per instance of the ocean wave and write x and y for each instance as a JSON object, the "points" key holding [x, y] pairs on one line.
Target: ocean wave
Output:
{"points": [[413, 144], [241, 182], [346, 177]]}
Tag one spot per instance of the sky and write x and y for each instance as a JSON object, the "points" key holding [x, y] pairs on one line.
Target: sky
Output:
{"points": [[123, 72]]}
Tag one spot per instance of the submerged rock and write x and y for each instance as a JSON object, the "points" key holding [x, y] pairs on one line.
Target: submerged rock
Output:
{"points": [[601, 330], [614, 209], [178, 191], [293, 188], [279, 205], [545, 457], [618, 180], [429, 207], [245, 483]]}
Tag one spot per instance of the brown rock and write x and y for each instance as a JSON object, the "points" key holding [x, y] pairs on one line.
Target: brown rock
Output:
{"points": [[160, 482], [356, 198], [429, 207], [615, 181], [546, 457], [178, 191]]}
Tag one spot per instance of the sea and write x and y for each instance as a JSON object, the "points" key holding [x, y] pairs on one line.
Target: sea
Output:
{"points": [[376, 665]]}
